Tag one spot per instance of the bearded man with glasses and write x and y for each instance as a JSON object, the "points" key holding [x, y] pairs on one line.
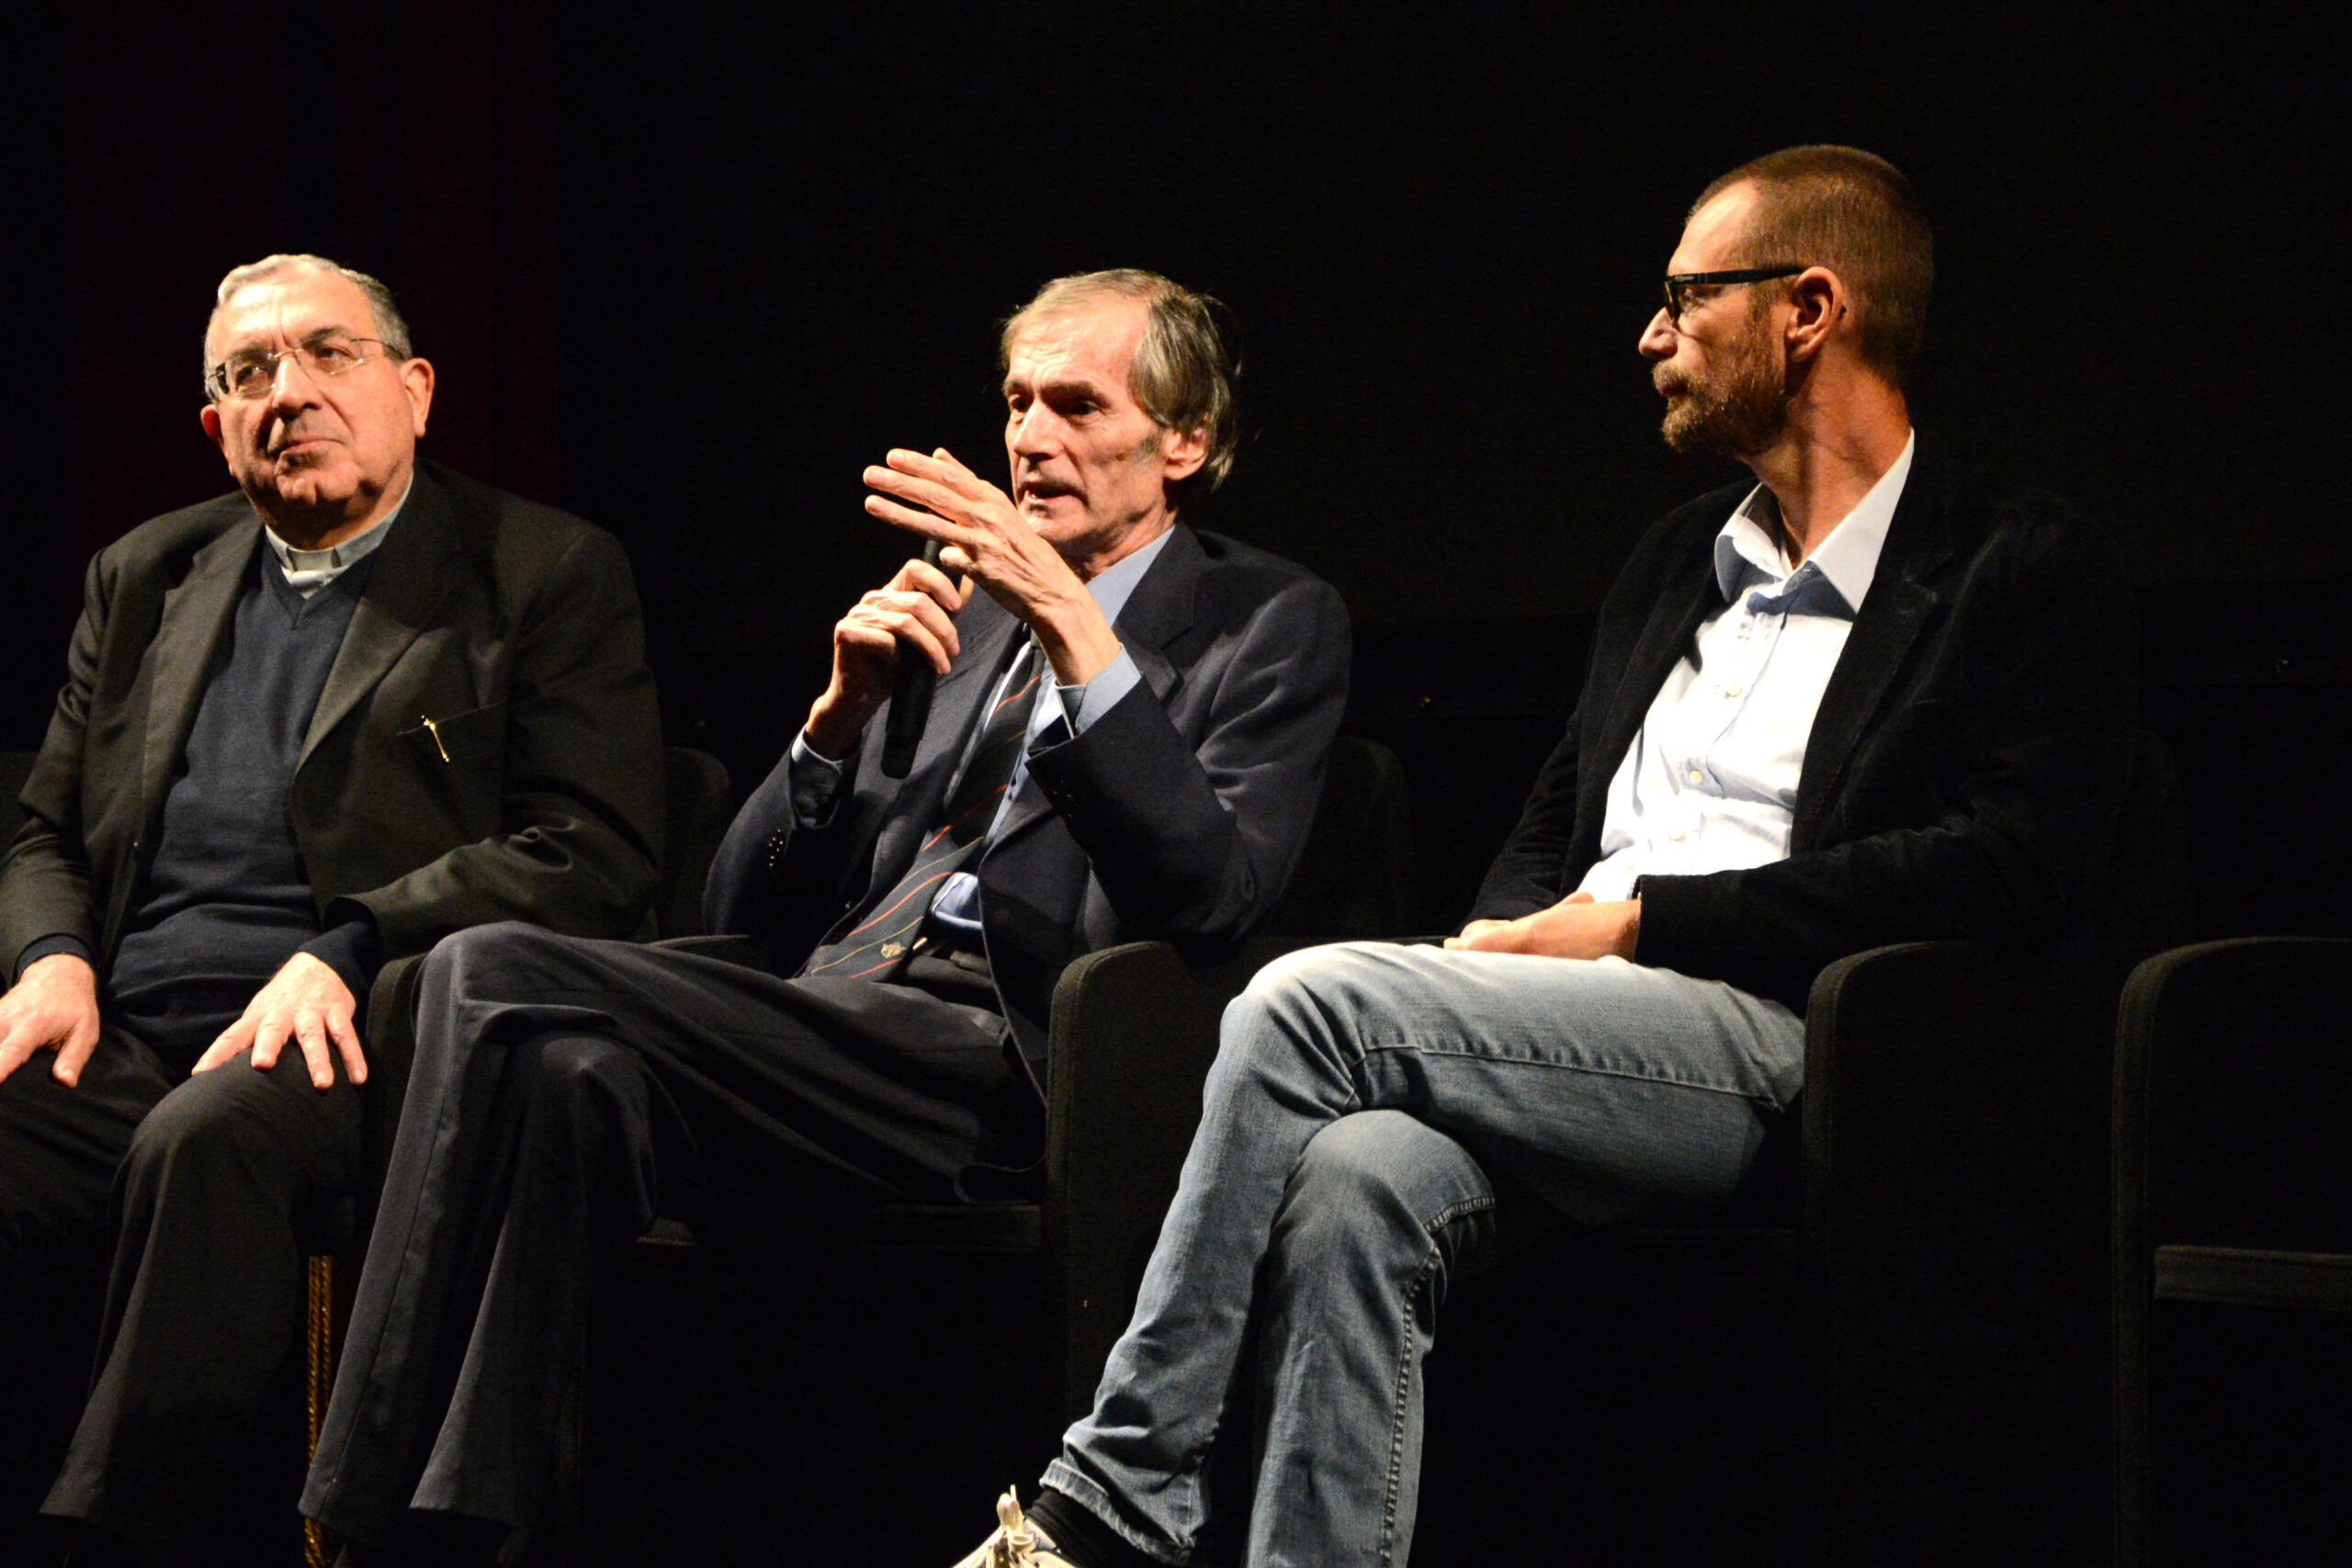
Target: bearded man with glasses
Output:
{"points": [[1863, 699], [305, 728]]}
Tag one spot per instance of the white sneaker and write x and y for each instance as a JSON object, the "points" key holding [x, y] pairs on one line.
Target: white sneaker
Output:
{"points": [[1017, 1543]]}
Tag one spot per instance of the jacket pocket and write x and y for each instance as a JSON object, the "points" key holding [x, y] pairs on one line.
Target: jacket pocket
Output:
{"points": [[466, 737]]}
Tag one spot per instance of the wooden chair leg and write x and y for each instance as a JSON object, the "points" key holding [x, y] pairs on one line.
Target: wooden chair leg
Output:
{"points": [[318, 1546]]}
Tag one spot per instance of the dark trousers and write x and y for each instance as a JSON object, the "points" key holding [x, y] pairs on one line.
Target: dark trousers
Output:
{"points": [[561, 1087], [210, 1188]]}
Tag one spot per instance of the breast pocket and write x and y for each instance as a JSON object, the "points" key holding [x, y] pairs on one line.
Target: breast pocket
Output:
{"points": [[472, 737]]}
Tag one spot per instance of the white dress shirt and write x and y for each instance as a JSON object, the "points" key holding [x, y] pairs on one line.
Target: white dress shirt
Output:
{"points": [[1709, 782]]}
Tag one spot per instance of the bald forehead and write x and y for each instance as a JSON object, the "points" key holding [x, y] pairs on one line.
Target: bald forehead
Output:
{"points": [[293, 302], [1711, 239]]}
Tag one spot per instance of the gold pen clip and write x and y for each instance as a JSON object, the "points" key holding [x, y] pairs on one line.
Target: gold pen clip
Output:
{"points": [[435, 731]]}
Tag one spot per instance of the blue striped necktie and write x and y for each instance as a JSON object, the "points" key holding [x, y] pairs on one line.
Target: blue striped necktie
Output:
{"points": [[872, 942]]}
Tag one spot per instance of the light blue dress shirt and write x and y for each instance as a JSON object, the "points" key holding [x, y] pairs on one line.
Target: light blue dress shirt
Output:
{"points": [[1058, 713], [1709, 782]]}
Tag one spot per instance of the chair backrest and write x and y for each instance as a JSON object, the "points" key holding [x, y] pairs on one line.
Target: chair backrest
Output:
{"points": [[698, 803], [1355, 876]]}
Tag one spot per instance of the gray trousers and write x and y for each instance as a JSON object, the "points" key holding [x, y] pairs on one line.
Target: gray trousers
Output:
{"points": [[560, 1089]]}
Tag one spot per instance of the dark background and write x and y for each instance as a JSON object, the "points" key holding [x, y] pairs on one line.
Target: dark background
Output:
{"points": [[686, 270]]}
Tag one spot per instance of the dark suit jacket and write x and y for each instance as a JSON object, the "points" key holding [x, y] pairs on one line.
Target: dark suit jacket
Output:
{"points": [[1178, 815], [512, 626], [1963, 773]]}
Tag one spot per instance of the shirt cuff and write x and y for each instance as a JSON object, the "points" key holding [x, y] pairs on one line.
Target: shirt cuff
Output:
{"points": [[815, 783], [354, 952], [49, 947], [1090, 700]]}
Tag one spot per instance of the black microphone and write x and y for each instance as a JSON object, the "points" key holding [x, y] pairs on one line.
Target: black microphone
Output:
{"points": [[911, 688]]}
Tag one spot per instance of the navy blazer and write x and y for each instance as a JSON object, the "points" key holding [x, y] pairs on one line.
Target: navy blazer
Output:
{"points": [[1178, 815], [1964, 771]]}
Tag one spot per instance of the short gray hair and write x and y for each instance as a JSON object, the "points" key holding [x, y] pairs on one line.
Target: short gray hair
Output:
{"points": [[1183, 370], [390, 325]]}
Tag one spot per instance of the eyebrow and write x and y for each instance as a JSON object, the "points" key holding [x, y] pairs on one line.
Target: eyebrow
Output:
{"points": [[1084, 385], [251, 344]]}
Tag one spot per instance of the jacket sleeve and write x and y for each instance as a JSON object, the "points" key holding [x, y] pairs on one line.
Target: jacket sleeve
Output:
{"points": [[580, 831], [45, 876], [1191, 842], [775, 879], [1998, 789], [1527, 875]]}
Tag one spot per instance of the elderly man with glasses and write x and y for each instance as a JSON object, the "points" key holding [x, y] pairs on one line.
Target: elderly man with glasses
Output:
{"points": [[1863, 699], [305, 728]]}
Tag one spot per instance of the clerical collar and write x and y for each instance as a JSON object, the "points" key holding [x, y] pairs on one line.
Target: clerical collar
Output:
{"points": [[307, 572]]}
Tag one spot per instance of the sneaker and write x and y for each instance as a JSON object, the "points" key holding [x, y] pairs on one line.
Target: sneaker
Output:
{"points": [[1017, 1543]]}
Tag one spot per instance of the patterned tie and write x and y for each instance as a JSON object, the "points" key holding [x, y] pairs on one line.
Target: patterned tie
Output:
{"points": [[880, 935]]}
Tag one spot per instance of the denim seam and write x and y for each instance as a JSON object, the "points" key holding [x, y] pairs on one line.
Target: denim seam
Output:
{"points": [[1627, 1074], [1403, 1396]]}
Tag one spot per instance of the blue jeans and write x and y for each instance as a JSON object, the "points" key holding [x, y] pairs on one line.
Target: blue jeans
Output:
{"points": [[1338, 1182]]}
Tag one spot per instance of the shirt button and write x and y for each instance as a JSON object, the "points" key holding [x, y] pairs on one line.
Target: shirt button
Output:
{"points": [[1695, 777], [1676, 835], [1734, 688]]}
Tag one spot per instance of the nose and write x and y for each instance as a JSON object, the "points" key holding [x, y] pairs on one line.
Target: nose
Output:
{"points": [[1657, 341], [1026, 433], [291, 384]]}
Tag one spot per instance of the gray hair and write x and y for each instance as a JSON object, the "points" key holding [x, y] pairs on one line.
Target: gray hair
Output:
{"points": [[390, 325], [1183, 370]]}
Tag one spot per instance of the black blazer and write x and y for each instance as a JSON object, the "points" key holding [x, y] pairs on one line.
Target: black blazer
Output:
{"points": [[1964, 774], [1178, 815], [512, 626]]}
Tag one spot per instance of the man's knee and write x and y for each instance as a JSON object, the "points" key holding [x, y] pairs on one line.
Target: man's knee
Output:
{"points": [[1386, 1171], [577, 1069], [222, 1125], [507, 961], [1311, 994]]}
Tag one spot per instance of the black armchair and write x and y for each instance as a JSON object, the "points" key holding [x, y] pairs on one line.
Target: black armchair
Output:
{"points": [[2232, 1254], [1132, 1031]]}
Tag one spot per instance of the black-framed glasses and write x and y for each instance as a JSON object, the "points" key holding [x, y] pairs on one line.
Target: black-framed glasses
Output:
{"points": [[254, 374], [1677, 282]]}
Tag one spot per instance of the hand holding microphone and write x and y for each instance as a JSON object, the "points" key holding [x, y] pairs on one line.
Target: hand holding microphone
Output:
{"points": [[911, 690], [893, 640]]}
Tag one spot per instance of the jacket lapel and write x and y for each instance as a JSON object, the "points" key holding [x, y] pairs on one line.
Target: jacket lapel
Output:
{"points": [[1899, 604], [196, 616], [406, 584], [1666, 636]]}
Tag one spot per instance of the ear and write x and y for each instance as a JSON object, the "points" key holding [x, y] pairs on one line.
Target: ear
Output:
{"points": [[1182, 452], [208, 416], [416, 380], [1820, 309]]}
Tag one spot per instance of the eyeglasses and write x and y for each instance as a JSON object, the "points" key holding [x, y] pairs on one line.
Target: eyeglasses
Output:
{"points": [[325, 357], [1675, 283]]}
